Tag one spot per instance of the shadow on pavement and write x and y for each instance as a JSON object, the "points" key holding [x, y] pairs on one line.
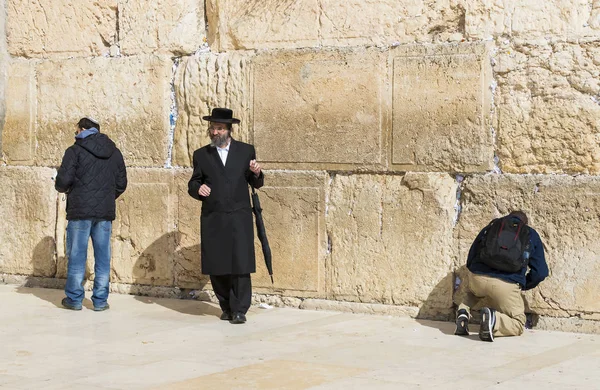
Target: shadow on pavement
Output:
{"points": [[184, 306]]}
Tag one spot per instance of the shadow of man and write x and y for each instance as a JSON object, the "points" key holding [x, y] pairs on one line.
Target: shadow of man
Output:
{"points": [[42, 282], [438, 309], [187, 276]]}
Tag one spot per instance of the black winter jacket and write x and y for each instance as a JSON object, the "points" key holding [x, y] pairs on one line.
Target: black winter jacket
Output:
{"points": [[93, 175]]}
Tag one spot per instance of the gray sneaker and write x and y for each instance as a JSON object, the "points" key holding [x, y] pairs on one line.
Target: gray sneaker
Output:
{"points": [[488, 321], [462, 323], [70, 306], [102, 308]]}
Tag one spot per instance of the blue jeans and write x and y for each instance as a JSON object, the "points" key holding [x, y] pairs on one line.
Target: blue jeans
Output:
{"points": [[78, 235]]}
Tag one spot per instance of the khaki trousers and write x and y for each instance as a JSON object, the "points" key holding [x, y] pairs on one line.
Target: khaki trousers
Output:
{"points": [[502, 296]]}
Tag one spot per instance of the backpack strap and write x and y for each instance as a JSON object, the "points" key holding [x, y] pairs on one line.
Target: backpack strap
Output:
{"points": [[501, 227], [518, 230]]}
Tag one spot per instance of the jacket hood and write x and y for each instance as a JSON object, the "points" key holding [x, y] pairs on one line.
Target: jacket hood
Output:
{"points": [[97, 144]]}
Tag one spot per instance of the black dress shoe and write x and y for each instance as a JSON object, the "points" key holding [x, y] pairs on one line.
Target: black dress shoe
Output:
{"points": [[226, 316], [238, 318]]}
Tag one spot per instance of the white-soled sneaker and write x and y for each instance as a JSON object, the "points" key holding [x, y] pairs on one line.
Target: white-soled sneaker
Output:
{"points": [[462, 323], [488, 321]]}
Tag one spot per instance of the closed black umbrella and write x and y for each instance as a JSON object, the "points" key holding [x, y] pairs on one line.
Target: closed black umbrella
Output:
{"points": [[262, 234]]}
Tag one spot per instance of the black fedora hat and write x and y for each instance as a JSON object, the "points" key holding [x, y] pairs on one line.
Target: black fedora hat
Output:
{"points": [[221, 115]]}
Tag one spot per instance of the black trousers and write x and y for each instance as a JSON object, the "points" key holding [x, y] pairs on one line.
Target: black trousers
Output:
{"points": [[234, 292]]}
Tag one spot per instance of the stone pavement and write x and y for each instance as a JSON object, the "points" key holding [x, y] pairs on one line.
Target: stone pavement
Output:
{"points": [[148, 343]]}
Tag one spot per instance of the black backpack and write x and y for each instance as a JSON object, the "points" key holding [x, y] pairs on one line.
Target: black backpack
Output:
{"points": [[504, 243]]}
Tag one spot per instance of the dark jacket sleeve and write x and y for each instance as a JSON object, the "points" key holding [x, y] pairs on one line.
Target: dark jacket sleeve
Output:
{"points": [[538, 268], [196, 181], [251, 178], [66, 173], [475, 247], [121, 182]]}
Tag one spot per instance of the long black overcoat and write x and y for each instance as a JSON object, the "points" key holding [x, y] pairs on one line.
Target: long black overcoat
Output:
{"points": [[227, 230]]}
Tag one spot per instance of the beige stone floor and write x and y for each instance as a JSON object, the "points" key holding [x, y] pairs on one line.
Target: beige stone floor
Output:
{"points": [[148, 343]]}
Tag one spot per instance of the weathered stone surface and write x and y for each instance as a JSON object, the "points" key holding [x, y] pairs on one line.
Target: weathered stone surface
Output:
{"points": [[28, 211], [130, 97], [324, 111], [359, 308], [293, 211], [391, 240], [594, 20], [175, 26], [564, 211], [549, 118], [291, 24], [188, 272], [60, 28], [276, 300], [203, 82], [574, 324], [566, 19], [17, 135], [143, 232], [4, 58], [441, 109], [262, 24], [382, 22]]}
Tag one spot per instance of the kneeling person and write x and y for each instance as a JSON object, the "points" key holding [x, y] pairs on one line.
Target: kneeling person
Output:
{"points": [[506, 257]]}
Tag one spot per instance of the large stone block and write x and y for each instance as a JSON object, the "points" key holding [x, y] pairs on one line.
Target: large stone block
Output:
{"points": [[203, 82], [563, 210], [441, 109], [549, 116], [566, 19], [130, 97], [18, 136], [293, 212], [392, 240], [234, 25], [292, 24], [60, 28], [143, 232], [175, 26], [143, 240], [323, 112], [4, 58], [384, 22], [28, 211]]}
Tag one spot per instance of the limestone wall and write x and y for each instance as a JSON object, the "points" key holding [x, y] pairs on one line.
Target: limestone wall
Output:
{"points": [[391, 132]]}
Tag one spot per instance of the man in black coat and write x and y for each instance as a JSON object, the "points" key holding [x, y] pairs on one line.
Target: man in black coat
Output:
{"points": [[93, 176], [222, 172]]}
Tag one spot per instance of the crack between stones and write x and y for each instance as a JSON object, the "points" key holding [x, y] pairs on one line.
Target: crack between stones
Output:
{"points": [[554, 305], [458, 204], [173, 114], [319, 17], [493, 88], [117, 29], [381, 200]]}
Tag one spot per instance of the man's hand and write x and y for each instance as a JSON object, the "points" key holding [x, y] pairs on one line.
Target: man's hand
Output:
{"points": [[204, 190], [254, 167]]}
